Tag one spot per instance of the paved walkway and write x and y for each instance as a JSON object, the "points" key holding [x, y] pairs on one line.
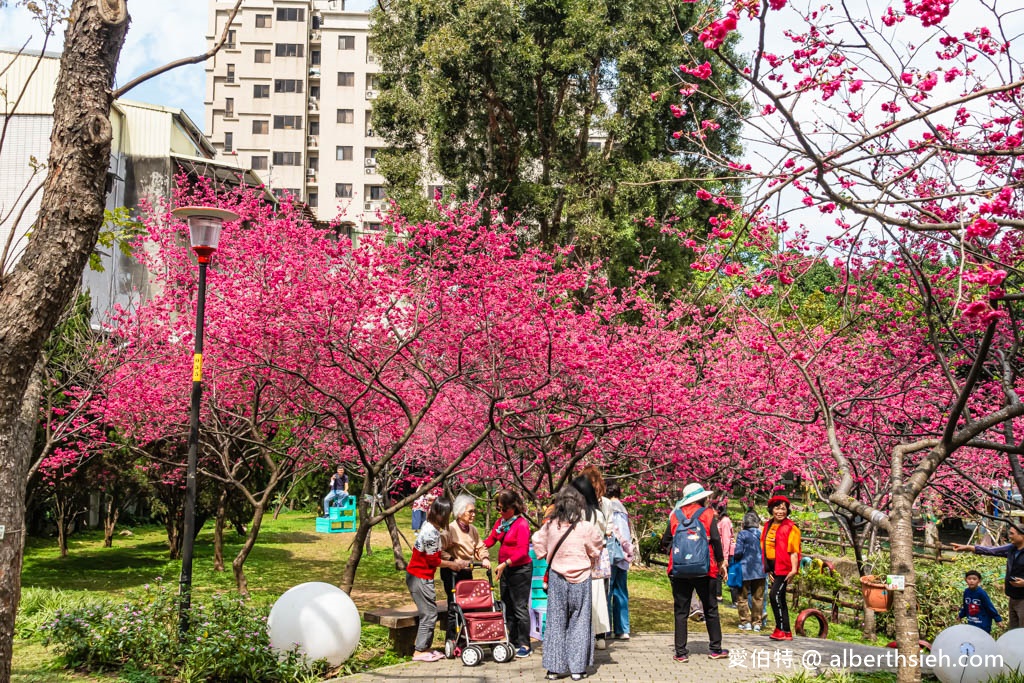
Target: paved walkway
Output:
{"points": [[648, 657]]}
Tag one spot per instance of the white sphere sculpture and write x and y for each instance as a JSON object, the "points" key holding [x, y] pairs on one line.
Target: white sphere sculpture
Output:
{"points": [[1011, 647], [317, 617], [965, 654]]}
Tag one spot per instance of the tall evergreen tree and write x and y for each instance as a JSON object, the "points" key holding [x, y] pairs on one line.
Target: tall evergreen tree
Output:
{"points": [[561, 108]]}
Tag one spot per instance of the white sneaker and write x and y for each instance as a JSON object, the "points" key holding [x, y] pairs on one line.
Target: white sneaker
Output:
{"points": [[744, 627], [757, 627], [601, 644]]}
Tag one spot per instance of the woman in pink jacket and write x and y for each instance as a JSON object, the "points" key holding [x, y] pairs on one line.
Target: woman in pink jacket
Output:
{"points": [[570, 544]]}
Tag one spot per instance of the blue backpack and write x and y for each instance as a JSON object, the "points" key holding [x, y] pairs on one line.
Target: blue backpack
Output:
{"points": [[691, 551]]}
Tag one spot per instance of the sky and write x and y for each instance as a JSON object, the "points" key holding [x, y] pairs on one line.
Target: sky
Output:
{"points": [[160, 32]]}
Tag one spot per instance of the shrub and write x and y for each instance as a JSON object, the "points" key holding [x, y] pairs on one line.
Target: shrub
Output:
{"points": [[227, 640]]}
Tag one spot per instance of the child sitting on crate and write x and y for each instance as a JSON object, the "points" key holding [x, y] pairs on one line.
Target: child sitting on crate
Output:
{"points": [[426, 558], [977, 606]]}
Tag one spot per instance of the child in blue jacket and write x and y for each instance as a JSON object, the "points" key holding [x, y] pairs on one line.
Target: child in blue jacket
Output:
{"points": [[978, 607]]}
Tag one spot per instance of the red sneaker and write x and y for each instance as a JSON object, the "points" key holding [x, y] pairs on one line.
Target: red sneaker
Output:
{"points": [[778, 634], [786, 635]]}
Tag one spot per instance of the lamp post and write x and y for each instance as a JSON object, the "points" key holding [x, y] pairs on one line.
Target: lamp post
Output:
{"points": [[204, 225]]}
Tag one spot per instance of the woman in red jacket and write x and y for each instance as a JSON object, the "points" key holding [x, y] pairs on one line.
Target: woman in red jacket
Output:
{"points": [[515, 568], [780, 548]]}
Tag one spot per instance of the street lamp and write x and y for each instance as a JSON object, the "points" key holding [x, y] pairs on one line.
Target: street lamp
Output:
{"points": [[204, 225]]}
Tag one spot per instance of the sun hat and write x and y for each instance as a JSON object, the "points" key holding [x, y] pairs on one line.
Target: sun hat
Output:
{"points": [[775, 500], [693, 493]]}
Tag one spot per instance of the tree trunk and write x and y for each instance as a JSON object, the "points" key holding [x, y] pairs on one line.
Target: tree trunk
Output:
{"points": [[40, 286], [61, 512], [238, 564], [348, 575], [396, 543], [218, 532], [173, 537], [901, 555], [112, 512], [17, 432], [868, 628]]}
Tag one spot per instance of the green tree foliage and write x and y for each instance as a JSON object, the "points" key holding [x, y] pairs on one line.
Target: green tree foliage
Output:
{"points": [[548, 104]]}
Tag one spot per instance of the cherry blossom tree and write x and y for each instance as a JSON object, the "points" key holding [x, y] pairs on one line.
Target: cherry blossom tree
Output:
{"points": [[901, 131], [254, 435]]}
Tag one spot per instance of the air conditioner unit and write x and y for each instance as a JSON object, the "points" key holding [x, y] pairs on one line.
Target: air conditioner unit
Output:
{"points": [[371, 94], [369, 162], [370, 133], [371, 59], [370, 171], [311, 141], [311, 173], [370, 206], [315, 72]]}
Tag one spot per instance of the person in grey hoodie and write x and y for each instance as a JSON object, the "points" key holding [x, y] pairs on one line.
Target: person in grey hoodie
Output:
{"points": [[618, 593], [748, 554]]}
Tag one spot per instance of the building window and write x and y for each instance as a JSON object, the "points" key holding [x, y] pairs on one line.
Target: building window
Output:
{"points": [[288, 122], [258, 163], [263, 21], [314, 200], [314, 57], [283, 192], [372, 227], [287, 85], [346, 116], [346, 42], [260, 91], [314, 92], [231, 73], [370, 153], [346, 79], [262, 56], [290, 50], [372, 82], [229, 142], [287, 158], [229, 44], [314, 128], [343, 154], [291, 14], [260, 127], [343, 190], [376, 193], [314, 164], [229, 107]]}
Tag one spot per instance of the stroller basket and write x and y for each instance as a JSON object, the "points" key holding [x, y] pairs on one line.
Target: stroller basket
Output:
{"points": [[483, 623]]}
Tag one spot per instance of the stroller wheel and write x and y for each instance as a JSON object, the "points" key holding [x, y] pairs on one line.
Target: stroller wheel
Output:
{"points": [[502, 653], [472, 655], [450, 650]]}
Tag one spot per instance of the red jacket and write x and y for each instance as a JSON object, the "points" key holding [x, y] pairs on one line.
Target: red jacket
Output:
{"points": [[783, 562], [707, 518]]}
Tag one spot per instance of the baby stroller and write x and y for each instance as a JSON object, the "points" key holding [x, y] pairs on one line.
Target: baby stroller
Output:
{"points": [[479, 622]]}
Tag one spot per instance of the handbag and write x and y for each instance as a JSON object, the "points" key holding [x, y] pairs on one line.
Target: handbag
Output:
{"points": [[551, 555], [615, 552], [602, 566], [735, 577]]}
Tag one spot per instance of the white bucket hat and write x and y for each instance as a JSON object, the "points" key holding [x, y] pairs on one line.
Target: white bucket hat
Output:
{"points": [[693, 493]]}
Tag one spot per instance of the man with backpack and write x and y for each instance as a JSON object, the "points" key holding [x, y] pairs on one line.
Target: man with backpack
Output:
{"points": [[695, 554]]}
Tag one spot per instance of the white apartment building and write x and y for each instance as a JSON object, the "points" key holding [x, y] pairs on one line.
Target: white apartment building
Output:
{"points": [[290, 97]]}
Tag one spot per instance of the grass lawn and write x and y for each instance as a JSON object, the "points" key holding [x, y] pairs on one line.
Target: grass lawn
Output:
{"points": [[288, 552]]}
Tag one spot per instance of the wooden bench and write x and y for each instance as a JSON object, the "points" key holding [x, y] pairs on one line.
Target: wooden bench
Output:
{"points": [[402, 623]]}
